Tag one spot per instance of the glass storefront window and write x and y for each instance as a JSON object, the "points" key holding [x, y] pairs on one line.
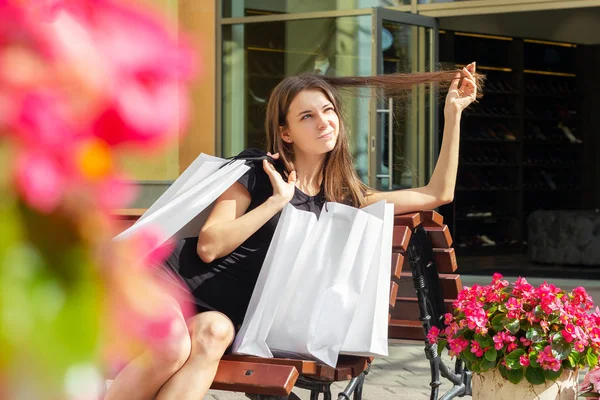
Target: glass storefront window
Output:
{"points": [[252, 8], [257, 56]]}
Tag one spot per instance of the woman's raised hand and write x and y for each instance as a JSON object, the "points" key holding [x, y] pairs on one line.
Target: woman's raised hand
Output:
{"points": [[282, 191], [459, 98]]}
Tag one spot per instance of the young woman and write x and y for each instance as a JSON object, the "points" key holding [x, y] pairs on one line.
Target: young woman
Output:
{"points": [[307, 139]]}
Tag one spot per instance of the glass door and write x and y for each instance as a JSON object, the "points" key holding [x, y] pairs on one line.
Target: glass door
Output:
{"points": [[403, 134]]}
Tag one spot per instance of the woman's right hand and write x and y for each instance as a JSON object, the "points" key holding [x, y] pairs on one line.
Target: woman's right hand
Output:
{"points": [[282, 191]]}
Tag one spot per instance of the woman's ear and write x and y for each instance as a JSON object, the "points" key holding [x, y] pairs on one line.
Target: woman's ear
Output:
{"points": [[285, 135]]}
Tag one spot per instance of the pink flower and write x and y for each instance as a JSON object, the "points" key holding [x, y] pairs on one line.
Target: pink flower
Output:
{"points": [[547, 360], [525, 342], [476, 317], [499, 340], [511, 347], [476, 348], [595, 336], [140, 66], [448, 318], [514, 308], [40, 180], [524, 360], [433, 334], [580, 346], [592, 378], [457, 346], [570, 333]]}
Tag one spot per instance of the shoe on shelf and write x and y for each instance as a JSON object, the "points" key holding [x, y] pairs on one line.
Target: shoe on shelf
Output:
{"points": [[548, 179], [485, 240], [565, 129]]}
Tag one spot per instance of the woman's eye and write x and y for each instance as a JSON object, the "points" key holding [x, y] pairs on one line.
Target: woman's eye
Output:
{"points": [[329, 109], [305, 116]]}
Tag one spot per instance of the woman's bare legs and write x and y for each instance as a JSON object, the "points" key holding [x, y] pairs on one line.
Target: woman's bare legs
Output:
{"points": [[211, 333], [142, 378]]}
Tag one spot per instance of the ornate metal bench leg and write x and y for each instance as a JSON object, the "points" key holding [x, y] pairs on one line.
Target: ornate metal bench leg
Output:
{"points": [[359, 390], [355, 386], [432, 308]]}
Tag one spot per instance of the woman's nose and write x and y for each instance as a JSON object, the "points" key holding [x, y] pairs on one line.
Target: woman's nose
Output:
{"points": [[322, 121]]}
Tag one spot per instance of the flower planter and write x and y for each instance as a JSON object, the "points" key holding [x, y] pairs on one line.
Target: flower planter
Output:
{"points": [[491, 385]]}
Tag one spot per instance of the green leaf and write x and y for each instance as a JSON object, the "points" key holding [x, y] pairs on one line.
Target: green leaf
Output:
{"points": [[486, 364], [484, 340], [538, 311], [441, 346], [591, 358], [575, 358], [512, 325], [533, 359], [491, 354], [467, 355], [515, 375], [503, 371], [512, 359], [497, 322], [551, 375], [491, 310], [535, 376], [535, 334], [561, 349]]}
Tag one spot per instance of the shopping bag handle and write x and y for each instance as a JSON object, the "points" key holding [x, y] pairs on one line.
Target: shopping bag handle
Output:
{"points": [[230, 160]]}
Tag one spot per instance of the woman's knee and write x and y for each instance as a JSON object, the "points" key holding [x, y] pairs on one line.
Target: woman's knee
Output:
{"points": [[211, 333]]}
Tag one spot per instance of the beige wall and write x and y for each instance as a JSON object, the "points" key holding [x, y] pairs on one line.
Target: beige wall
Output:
{"points": [[198, 18]]}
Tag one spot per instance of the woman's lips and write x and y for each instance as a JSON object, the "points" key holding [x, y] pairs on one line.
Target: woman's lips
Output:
{"points": [[326, 136]]}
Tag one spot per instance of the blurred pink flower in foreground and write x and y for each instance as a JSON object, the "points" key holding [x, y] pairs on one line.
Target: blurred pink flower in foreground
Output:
{"points": [[90, 69], [79, 80]]}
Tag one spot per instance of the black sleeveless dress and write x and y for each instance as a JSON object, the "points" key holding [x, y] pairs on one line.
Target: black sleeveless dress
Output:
{"points": [[226, 284]]}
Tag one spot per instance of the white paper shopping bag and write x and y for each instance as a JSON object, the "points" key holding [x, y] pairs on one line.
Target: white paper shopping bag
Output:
{"points": [[183, 208], [368, 333], [325, 285], [292, 230]]}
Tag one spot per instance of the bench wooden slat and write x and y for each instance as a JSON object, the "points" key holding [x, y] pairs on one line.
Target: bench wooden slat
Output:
{"points": [[432, 218], [349, 367], [445, 259], [401, 238], [411, 220], [439, 236], [304, 367], [255, 378], [406, 329], [451, 285], [408, 308], [325, 373], [397, 264], [393, 293]]}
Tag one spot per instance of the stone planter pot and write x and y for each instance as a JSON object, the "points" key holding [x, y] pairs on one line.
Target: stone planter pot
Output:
{"points": [[491, 385]]}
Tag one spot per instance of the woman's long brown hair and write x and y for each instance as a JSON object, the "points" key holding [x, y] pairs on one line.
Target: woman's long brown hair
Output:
{"points": [[340, 181]]}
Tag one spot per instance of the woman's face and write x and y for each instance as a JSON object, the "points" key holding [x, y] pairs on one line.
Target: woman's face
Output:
{"points": [[312, 123]]}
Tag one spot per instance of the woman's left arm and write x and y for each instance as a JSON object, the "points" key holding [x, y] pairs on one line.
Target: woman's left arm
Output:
{"points": [[440, 189]]}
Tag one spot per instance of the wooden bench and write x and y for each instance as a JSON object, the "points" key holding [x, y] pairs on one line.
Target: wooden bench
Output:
{"points": [[422, 287]]}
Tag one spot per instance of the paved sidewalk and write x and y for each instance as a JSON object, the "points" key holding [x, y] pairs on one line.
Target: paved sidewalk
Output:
{"points": [[405, 374]]}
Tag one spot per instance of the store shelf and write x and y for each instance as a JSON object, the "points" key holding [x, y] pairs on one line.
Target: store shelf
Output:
{"points": [[487, 68], [550, 73], [491, 219], [487, 190], [508, 165], [491, 141]]}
